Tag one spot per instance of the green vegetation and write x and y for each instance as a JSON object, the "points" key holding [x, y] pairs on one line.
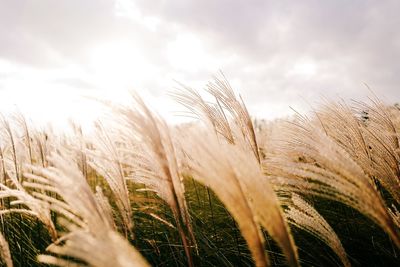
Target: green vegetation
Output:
{"points": [[223, 191]]}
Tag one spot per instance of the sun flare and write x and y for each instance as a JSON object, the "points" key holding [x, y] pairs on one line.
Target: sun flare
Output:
{"points": [[119, 64]]}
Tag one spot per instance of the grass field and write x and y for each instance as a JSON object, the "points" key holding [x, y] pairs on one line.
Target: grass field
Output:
{"points": [[225, 190]]}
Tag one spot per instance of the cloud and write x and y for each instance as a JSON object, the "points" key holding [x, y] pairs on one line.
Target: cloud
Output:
{"points": [[276, 53]]}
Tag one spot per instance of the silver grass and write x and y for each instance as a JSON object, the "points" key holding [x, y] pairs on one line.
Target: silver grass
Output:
{"points": [[66, 180], [227, 115], [5, 252], [303, 215], [36, 207], [153, 160], [382, 127], [103, 249], [107, 161], [313, 163], [372, 143], [234, 175], [12, 161], [198, 107], [225, 96], [91, 236]]}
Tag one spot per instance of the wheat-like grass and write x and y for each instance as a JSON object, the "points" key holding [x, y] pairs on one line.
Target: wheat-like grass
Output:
{"points": [[313, 163], [107, 161], [372, 141], [199, 108], [5, 252], [66, 180], [383, 129], [303, 215], [89, 219], [234, 175], [224, 94], [228, 115], [260, 172], [35, 207], [103, 249], [155, 165], [229, 118]]}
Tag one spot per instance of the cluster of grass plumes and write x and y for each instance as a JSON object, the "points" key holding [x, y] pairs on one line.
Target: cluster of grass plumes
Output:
{"points": [[222, 191]]}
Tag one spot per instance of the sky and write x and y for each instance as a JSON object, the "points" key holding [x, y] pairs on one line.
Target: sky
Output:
{"points": [[56, 56]]}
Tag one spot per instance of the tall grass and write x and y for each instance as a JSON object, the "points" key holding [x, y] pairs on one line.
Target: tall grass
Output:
{"points": [[221, 191]]}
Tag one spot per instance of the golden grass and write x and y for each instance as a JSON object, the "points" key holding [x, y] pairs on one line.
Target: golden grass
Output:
{"points": [[261, 173]]}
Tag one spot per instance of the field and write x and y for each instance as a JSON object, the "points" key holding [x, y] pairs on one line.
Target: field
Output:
{"points": [[225, 190]]}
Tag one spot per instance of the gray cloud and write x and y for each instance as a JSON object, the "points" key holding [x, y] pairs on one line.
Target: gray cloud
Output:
{"points": [[275, 52], [44, 32]]}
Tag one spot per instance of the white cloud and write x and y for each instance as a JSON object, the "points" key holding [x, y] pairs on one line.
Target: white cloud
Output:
{"points": [[275, 53], [305, 68], [187, 53]]}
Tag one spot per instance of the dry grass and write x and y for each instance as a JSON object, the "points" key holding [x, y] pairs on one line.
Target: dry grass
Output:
{"points": [[312, 162], [5, 252], [130, 182], [303, 215]]}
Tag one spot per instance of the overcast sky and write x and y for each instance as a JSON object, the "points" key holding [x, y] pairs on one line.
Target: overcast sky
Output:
{"points": [[275, 53]]}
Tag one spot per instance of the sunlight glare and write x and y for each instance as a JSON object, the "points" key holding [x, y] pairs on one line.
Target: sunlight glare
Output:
{"points": [[187, 53], [119, 65]]}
